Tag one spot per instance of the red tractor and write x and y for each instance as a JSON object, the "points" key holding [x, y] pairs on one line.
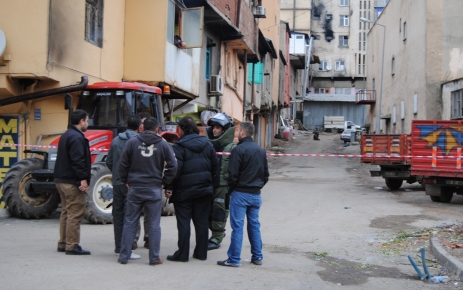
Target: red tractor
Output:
{"points": [[28, 187]]}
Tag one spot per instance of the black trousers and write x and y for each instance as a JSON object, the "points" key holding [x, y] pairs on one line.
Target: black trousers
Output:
{"points": [[196, 209]]}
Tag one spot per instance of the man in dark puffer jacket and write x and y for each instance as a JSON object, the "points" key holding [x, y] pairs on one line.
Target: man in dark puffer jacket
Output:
{"points": [[192, 189]]}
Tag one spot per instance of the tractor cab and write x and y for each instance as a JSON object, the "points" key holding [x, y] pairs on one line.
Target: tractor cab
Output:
{"points": [[110, 104]]}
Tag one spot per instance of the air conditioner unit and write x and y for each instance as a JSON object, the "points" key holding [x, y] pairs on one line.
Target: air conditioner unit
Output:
{"points": [[258, 11], [216, 85]]}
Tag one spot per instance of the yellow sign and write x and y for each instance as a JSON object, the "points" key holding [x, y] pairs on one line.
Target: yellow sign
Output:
{"points": [[9, 128]]}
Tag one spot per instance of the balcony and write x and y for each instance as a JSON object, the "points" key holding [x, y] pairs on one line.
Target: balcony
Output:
{"points": [[365, 97]]}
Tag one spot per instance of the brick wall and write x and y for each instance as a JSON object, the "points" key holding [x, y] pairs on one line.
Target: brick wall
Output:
{"points": [[247, 23]]}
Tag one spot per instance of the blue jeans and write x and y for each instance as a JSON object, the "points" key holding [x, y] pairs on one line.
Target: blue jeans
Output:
{"points": [[244, 204]]}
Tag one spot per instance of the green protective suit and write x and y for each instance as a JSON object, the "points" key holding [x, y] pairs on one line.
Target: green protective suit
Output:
{"points": [[220, 198]]}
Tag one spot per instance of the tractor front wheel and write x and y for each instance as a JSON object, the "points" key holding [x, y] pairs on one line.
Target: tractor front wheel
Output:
{"points": [[100, 195]]}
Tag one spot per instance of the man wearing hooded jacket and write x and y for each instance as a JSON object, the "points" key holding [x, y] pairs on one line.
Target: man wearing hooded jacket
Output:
{"points": [[147, 164], [221, 134]]}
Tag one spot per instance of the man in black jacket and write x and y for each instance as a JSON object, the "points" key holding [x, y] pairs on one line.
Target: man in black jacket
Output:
{"points": [[248, 173], [146, 165], [72, 177], [192, 189]]}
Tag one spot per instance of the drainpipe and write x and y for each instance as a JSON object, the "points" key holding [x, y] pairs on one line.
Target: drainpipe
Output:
{"points": [[245, 84], [238, 12]]}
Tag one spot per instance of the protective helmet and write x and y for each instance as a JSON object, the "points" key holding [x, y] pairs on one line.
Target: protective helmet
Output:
{"points": [[221, 119]]}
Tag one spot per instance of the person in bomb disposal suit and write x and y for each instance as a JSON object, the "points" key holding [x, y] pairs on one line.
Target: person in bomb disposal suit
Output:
{"points": [[147, 164], [248, 173], [72, 177], [221, 134]]}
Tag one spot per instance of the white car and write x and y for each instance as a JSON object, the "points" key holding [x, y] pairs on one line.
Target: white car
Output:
{"points": [[345, 135]]}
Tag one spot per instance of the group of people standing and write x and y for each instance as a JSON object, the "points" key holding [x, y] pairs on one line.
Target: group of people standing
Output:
{"points": [[204, 187]]}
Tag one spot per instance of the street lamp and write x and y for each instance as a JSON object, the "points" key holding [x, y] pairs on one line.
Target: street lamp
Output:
{"points": [[382, 71]]}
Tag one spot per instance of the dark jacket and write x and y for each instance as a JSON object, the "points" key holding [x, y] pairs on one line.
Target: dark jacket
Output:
{"points": [[197, 166], [73, 160], [115, 152], [248, 168], [147, 161], [223, 143]]}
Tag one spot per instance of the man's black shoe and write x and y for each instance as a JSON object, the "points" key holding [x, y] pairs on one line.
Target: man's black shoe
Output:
{"points": [[257, 262], [212, 246], [174, 259], [194, 256], [61, 250], [227, 264], [78, 251]]}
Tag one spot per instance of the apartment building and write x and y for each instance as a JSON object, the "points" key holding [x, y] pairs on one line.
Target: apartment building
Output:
{"points": [[422, 71]]}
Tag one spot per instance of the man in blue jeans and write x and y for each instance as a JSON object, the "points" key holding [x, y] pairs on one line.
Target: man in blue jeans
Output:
{"points": [[248, 173]]}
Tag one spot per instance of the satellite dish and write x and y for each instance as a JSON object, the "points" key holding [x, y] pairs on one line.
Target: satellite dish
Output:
{"points": [[328, 67], [2, 42]]}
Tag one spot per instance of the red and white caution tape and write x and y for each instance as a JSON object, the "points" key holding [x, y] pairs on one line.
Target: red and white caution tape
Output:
{"points": [[97, 150]]}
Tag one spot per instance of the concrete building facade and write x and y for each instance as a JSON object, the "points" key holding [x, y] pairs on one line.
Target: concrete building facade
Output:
{"points": [[422, 63]]}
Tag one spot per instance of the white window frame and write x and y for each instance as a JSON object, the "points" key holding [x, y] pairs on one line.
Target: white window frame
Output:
{"points": [[343, 41], [415, 103], [343, 2], [339, 65], [394, 113], [402, 110], [344, 20], [323, 64], [191, 25]]}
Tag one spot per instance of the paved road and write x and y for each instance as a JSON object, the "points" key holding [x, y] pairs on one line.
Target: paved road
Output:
{"points": [[309, 205]]}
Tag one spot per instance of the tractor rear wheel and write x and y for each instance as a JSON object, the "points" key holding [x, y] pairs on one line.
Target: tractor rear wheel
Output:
{"points": [[394, 184], [435, 198], [20, 199], [100, 195]]}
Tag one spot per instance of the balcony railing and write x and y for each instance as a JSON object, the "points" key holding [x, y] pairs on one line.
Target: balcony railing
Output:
{"points": [[365, 97]]}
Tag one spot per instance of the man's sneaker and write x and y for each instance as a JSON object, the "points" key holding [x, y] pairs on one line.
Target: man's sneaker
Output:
{"points": [[227, 263], [133, 256], [120, 262], [257, 262], [158, 262], [212, 246]]}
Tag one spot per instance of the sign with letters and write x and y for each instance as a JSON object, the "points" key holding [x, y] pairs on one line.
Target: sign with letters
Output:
{"points": [[9, 154]]}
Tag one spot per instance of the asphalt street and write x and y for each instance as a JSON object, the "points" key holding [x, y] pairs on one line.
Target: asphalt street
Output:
{"points": [[322, 219]]}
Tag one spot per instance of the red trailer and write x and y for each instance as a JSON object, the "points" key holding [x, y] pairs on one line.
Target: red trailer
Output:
{"points": [[392, 154], [437, 147]]}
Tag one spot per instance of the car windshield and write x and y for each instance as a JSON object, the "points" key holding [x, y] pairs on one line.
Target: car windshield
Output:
{"points": [[102, 107]]}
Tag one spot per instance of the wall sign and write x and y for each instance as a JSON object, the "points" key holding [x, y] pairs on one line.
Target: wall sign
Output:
{"points": [[9, 134]]}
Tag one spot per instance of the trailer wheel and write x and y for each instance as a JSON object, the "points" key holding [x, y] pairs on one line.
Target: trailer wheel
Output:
{"points": [[20, 200], [435, 198], [394, 184], [446, 194], [100, 195]]}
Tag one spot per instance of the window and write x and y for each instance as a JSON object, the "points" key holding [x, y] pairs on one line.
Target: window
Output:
{"points": [[316, 37], [402, 110], [94, 22], [343, 40], [208, 58], [343, 2], [319, 91], [373, 84], [364, 4], [339, 65], [457, 104], [394, 113], [405, 31], [400, 25], [185, 24], [323, 65], [344, 20], [393, 66], [340, 91], [329, 16], [415, 103]]}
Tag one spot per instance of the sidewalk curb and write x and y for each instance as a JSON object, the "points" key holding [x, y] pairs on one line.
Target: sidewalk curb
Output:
{"points": [[446, 259], [4, 213]]}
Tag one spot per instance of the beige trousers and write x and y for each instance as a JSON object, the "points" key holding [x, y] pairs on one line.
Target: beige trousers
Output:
{"points": [[73, 204]]}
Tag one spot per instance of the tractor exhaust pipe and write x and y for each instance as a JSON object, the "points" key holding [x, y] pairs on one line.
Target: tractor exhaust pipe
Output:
{"points": [[46, 93]]}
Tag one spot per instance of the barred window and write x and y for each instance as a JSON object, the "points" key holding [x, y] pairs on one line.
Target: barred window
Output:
{"points": [[94, 22]]}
